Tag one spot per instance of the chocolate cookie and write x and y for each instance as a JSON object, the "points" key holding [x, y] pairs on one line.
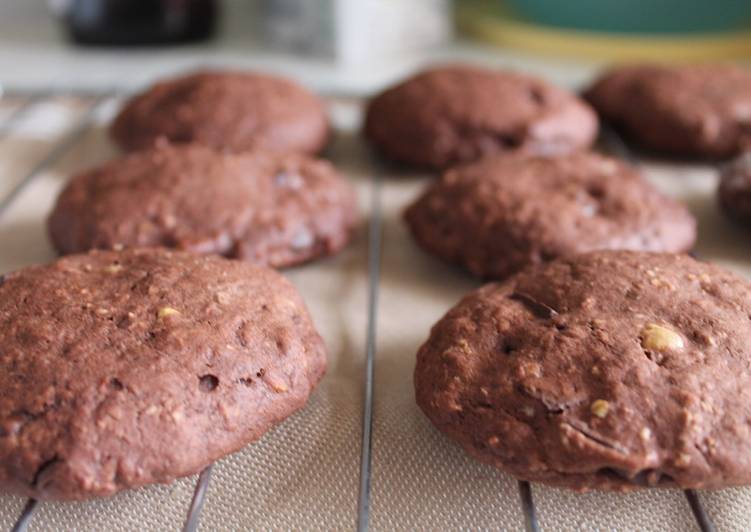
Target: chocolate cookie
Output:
{"points": [[235, 111], [500, 214], [734, 191], [121, 369], [267, 209], [610, 370], [457, 114], [697, 110]]}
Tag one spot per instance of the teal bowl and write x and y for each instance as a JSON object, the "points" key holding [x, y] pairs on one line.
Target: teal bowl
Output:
{"points": [[637, 16]]}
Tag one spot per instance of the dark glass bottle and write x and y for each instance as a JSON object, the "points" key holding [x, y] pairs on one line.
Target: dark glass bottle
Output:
{"points": [[140, 22]]}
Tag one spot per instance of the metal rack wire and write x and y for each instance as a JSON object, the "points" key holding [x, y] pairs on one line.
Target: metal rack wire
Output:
{"points": [[93, 103], [374, 267]]}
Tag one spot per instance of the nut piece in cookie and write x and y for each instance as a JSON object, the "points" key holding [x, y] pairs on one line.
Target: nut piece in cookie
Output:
{"points": [[460, 113], [275, 210], [235, 111], [684, 110], [116, 380], [502, 213], [622, 385]]}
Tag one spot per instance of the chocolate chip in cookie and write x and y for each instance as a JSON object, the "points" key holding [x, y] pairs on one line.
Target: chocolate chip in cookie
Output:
{"points": [[637, 376], [500, 214], [270, 209], [460, 113], [228, 110], [686, 110], [121, 369]]}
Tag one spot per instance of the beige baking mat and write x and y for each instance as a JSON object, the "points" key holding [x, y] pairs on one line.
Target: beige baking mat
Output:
{"points": [[305, 474]]}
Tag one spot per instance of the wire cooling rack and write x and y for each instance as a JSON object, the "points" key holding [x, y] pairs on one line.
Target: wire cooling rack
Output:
{"points": [[93, 102]]}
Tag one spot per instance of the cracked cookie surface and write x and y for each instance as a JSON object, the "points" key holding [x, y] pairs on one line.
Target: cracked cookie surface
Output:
{"points": [[120, 369], [498, 215], [267, 209], [460, 113], [608, 370]]}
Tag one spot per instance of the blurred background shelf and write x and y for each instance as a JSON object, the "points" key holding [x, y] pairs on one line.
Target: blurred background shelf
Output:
{"points": [[372, 50], [35, 53]]}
